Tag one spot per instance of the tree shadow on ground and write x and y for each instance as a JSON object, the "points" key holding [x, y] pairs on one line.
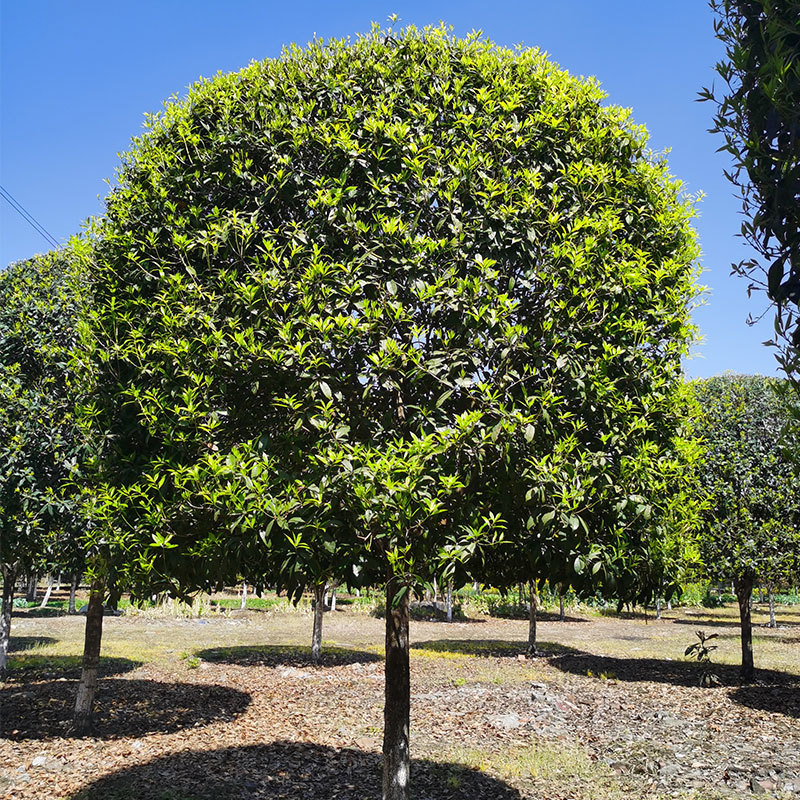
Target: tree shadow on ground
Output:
{"points": [[124, 708], [657, 670], [286, 770], [285, 655], [28, 666], [714, 621], [36, 611], [486, 648], [18, 644], [776, 699]]}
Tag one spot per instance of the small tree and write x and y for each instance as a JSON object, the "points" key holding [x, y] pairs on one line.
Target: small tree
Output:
{"points": [[336, 294], [40, 443], [752, 486]]}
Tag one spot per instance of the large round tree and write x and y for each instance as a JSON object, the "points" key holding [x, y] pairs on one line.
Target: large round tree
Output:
{"points": [[337, 296]]}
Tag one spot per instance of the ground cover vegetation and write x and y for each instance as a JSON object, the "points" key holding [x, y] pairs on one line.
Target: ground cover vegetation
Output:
{"points": [[375, 310]]}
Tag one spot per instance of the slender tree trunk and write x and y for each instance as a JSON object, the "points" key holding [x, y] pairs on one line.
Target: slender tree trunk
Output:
{"points": [[435, 592], [30, 594], [669, 605], [333, 597], [658, 608], [534, 603], [9, 581], [450, 601], [771, 598], [243, 602], [397, 695], [58, 582], [46, 598], [744, 593], [73, 588], [319, 609], [83, 718], [561, 616]]}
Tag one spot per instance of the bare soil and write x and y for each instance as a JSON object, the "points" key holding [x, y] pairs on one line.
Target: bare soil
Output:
{"points": [[231, 707]]}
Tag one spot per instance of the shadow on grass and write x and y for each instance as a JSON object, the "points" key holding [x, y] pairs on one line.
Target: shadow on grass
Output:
{"points": [[18, 644], [541, 616], [47, 611], [272, 655], [657, 670], [28, 666], [286, 770], [777, 699], [715, 621], [485, 648], [124, 708]]}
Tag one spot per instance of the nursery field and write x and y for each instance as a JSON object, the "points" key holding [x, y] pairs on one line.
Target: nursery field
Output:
{"points": [[228, 705]]}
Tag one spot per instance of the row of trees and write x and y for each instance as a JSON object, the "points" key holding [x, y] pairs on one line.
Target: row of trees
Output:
{"points": [[375, 313]]}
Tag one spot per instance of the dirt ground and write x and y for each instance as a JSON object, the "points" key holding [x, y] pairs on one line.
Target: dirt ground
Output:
{"points": [[230, 707]]}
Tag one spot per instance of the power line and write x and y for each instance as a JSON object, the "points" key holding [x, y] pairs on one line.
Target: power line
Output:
{"points": [[20, 209]]}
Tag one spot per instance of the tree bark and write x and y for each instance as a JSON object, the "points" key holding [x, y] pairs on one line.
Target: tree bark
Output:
{"points": [[333, 597], [84, 703], [30, 594], [561, 616], [397, 694], [771, 598], [316, 633], [532, 609], [450, 601], [9, 581], [243, 603], [46, 598], [73, 588], [658, 608], [744, 593]]}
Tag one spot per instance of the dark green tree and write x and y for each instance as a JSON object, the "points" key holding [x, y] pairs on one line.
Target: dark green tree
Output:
{"points": [[337, 294], [41, 447], [757, 115], [750, 477]]}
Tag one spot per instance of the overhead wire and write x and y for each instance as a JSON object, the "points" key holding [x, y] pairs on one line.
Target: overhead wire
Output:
{"points": [[28, 217]]}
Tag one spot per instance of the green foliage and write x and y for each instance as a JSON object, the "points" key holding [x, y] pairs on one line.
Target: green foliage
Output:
{"points": [[377, 301], [750, 477], [756, 113], [40, 444]]}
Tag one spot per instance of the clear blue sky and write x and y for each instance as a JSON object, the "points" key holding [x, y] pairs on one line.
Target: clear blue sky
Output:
{"points": [[78, 76]]}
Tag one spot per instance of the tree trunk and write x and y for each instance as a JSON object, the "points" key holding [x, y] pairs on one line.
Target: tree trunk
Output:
{"points": [[316, 634], [46, 598], [9, 580], [450, 601], [58, 582], [243, 603], [669, 605], [534, 603], [771, 598], [73, 587], [744, 593], [333, 597], [561, 616], [397, 694], [84, 704], [435, 592], [658, 608], [521, 595], [30, 594]]}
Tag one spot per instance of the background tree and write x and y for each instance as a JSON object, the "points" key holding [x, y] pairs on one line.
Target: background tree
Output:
{"points": [[40, 443], [752, 486], [757, 115], [332, 292]]}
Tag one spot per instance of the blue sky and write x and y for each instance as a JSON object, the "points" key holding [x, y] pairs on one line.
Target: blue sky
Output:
{"points": [[78, 76]]}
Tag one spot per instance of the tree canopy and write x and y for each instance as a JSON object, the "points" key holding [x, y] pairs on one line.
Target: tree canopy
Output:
{"points": [[390, 300], [758, 119]]}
